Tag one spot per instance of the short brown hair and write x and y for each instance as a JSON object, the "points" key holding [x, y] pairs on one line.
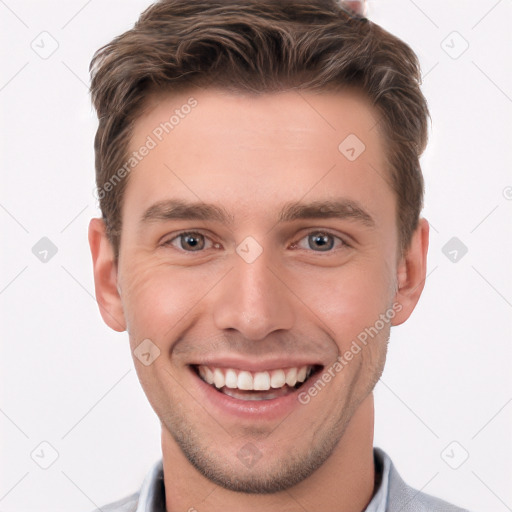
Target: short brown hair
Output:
{"points": [[259, 46]]}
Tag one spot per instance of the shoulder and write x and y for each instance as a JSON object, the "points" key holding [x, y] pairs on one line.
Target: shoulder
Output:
{"points": [[404, 498], [128, 504]]}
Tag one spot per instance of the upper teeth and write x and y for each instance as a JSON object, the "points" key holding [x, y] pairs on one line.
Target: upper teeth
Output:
{"points": [[255, 381]]}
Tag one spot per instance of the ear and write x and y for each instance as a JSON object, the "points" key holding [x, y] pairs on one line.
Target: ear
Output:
{"points": [[105, 276], [412, 272]]}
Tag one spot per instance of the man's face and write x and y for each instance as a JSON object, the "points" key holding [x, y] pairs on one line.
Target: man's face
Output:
{"points": [[258, 297]]}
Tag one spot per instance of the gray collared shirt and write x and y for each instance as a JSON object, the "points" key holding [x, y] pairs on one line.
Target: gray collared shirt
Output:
{"points": [[392, 495]]}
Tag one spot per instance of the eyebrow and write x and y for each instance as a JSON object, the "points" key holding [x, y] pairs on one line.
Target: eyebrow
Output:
{"points": [[177, 209]]}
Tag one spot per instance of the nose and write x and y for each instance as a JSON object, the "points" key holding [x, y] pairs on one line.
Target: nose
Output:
{"points": [[254, 299]]}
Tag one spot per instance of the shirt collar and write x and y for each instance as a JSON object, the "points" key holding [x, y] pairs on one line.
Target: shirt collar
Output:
{"points": [[152, 492], [382, 466]]}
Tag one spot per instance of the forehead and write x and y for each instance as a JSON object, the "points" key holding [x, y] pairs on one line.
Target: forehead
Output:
{"points": [[213, 145], [286, 114]]}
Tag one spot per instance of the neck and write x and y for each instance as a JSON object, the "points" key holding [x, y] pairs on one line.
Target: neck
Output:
{"points": [[344, 483]]}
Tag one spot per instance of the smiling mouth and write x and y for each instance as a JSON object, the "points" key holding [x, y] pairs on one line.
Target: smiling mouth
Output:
{"points": [[265, 385]]}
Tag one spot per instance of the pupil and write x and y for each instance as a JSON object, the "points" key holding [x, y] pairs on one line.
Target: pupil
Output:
{"points": [[322, 241], [191, 240]]}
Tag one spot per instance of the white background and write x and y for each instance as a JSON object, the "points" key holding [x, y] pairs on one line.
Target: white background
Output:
{"points": [[68, 380]]}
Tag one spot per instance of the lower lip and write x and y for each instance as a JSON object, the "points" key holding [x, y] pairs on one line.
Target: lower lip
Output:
{"points": [[261, 410]]}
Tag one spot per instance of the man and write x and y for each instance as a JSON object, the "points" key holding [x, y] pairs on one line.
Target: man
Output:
{"points": [[258, 174]]}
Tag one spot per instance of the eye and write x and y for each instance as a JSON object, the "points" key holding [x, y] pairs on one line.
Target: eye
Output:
{"points": [[191, 241], [320, 241]]}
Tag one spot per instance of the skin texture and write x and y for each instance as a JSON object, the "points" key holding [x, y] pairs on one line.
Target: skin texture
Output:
{"points": [[358, 6], [250, 155]]}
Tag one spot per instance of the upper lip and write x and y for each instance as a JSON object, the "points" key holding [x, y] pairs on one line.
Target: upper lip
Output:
{"points": [[256, 365]]}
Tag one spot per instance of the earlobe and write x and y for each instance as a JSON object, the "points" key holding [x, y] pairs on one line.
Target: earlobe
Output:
{"points": [[412, 272], [105, 276]]}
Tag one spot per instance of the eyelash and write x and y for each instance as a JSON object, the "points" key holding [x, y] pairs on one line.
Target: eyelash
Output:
{"points": [[344, 244]]}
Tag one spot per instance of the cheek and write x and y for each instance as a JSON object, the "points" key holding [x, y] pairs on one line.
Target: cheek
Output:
{"points": [[148, 302], [158, 298], [347, 299]]}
